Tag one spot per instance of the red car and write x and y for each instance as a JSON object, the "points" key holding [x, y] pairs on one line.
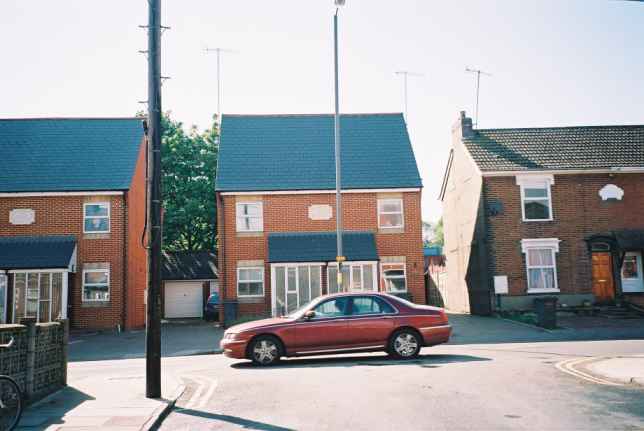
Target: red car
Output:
{"points": [[340, 323]]}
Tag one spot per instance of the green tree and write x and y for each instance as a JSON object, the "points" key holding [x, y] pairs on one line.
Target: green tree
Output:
{"points": [[439, 238], [433, 233], [189, 163]]}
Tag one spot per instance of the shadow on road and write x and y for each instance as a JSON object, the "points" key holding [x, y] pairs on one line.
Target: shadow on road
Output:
{"points": [[426, 361], [244, 423]]}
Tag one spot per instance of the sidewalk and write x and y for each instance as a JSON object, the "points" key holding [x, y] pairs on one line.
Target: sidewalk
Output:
{"points": [[626, 370], [102, 401]]}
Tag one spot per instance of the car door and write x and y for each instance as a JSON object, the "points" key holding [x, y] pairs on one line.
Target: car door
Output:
{"points": [[327, 330], [370, 322]]}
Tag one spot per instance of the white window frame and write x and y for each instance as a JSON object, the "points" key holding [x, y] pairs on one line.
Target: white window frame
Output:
{"points": [[261, 280], [109, 288], [109, 217], [387, 266], [298, 266], [535, 181], [39, 272], [5, 278], [633, 284], [382, 202], [239, 216], [350, 265], [551, 244]]}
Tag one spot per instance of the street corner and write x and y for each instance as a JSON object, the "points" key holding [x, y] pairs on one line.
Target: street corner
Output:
{"points": [[610, 371]]}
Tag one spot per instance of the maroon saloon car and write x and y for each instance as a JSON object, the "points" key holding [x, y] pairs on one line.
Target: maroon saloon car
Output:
{"points": [[340, 323]]}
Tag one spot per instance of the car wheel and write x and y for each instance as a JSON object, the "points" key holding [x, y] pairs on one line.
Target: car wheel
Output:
{"points": [[265, 350], [404, 344]]}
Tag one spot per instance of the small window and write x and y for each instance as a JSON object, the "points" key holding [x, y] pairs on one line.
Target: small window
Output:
{"points": [[394, 278], [332, 308], [542, 274], [630, 267], [249, 217], [390, 213], [250, 282], [96, 217], [536, 203], [96, 285]]}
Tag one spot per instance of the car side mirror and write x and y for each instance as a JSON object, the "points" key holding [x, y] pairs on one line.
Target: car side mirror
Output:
{"points": [[309, 315]]}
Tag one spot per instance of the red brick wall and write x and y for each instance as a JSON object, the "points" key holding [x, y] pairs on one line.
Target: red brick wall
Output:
{"points": [[137, 258], [578, 212], [63, 215], [289, 213]]}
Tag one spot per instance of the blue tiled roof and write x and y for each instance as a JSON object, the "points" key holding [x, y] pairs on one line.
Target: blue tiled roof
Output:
{"points": [[36, 252], [296, 152], [320, 246], [69, 154]]}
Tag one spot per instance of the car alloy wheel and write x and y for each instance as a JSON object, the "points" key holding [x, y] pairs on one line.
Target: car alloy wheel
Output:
{"points": [[406, 344], [265, 351]]}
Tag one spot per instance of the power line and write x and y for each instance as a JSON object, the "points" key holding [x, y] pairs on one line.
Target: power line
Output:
{"points": [[478, 73], [405, 74]]}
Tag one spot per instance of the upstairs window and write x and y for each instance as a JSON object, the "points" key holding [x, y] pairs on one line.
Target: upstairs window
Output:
{"points": [[390, 213], [96, 217], [250, 217], [536, 201]]}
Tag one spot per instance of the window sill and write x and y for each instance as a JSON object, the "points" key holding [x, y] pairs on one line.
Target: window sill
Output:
{"points": [[538, 220], [250, 234], [250, 299], [542, 291], [389, 230], [104, 235]]}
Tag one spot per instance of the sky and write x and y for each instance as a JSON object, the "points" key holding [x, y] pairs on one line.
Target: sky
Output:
{"points": [[552, 62]]}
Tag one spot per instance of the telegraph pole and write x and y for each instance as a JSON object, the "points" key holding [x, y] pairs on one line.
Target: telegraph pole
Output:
{"points": [[478, 80], [218, 51], [153, 318], [340, 258], [405, 74]]}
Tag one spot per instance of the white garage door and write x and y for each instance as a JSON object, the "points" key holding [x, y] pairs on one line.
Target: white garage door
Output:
{"points": [[183, 299]]}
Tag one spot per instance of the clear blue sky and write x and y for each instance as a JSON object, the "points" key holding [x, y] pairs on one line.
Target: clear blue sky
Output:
{"points": [[553, 62]]}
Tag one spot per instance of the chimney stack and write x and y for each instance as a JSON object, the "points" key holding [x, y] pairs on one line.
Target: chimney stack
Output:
{"points": [[463, 127]]}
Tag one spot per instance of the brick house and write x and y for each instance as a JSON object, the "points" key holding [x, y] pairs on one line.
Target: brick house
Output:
{"points": [[543, 211], [72, 213], [276, 209]]}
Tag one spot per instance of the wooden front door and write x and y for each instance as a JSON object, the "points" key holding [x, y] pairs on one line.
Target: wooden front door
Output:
{"points": [[603, 283]]}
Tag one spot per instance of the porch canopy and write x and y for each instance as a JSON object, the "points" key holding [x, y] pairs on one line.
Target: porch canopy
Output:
{"points": [[37, 252], [320, 246]]}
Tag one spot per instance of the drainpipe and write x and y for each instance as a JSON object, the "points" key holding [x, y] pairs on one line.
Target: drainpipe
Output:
{"points": [[221, 259]]}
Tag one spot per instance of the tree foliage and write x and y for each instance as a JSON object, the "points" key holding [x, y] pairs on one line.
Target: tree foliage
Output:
{"points": [[189, 163], [433, 233]]}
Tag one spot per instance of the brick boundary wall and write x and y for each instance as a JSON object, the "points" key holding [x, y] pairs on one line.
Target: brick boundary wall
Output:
{"points": [[38, 358]]}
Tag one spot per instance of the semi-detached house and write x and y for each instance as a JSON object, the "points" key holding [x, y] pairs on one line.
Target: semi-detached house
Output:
{"points": [[72, 216], [556, 211], [276, 209]]}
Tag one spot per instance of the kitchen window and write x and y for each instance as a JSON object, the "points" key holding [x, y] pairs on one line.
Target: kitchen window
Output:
{"points": [[250, 217], [96, 217], [390, 213], [250, 282], [394, 278], [96, 285]]}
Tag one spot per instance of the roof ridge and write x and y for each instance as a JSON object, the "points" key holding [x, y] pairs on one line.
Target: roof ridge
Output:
{"points": [[71, 118], [606, 126], [349, 114]]}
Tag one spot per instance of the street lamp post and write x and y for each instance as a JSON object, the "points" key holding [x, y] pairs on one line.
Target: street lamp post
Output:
{"points": [[336, 135]]}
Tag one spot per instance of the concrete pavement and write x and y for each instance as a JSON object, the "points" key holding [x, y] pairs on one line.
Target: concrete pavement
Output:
{"points": [[625, 370]]}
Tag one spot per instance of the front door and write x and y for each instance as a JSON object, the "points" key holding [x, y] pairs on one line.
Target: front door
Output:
{"points": [[603, 283], [632, 280]]}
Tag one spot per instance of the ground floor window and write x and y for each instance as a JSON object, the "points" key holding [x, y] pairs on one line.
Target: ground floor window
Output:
{"points": [[356, 276], [295, 285], [394, 277], [96, 285], [250, 282], [541, 264], [632, 279], [38, 295]]}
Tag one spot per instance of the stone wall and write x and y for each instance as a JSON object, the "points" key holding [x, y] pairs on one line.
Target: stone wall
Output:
{"points": [[37, 360]]}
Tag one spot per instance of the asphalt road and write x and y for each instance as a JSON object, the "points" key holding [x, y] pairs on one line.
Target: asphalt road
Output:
{"points": [[493, 386]]}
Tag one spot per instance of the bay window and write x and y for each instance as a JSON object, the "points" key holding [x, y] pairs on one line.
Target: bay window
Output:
{"points": [[38, 295], [356, 277]]}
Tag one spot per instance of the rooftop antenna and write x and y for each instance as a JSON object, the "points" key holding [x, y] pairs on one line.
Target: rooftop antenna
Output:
{"points": [[405, 74], [218, 51], [478, 73]]}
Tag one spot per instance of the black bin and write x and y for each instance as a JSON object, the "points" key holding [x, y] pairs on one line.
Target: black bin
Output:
{"points": [[230, 312], [546, 310]]}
